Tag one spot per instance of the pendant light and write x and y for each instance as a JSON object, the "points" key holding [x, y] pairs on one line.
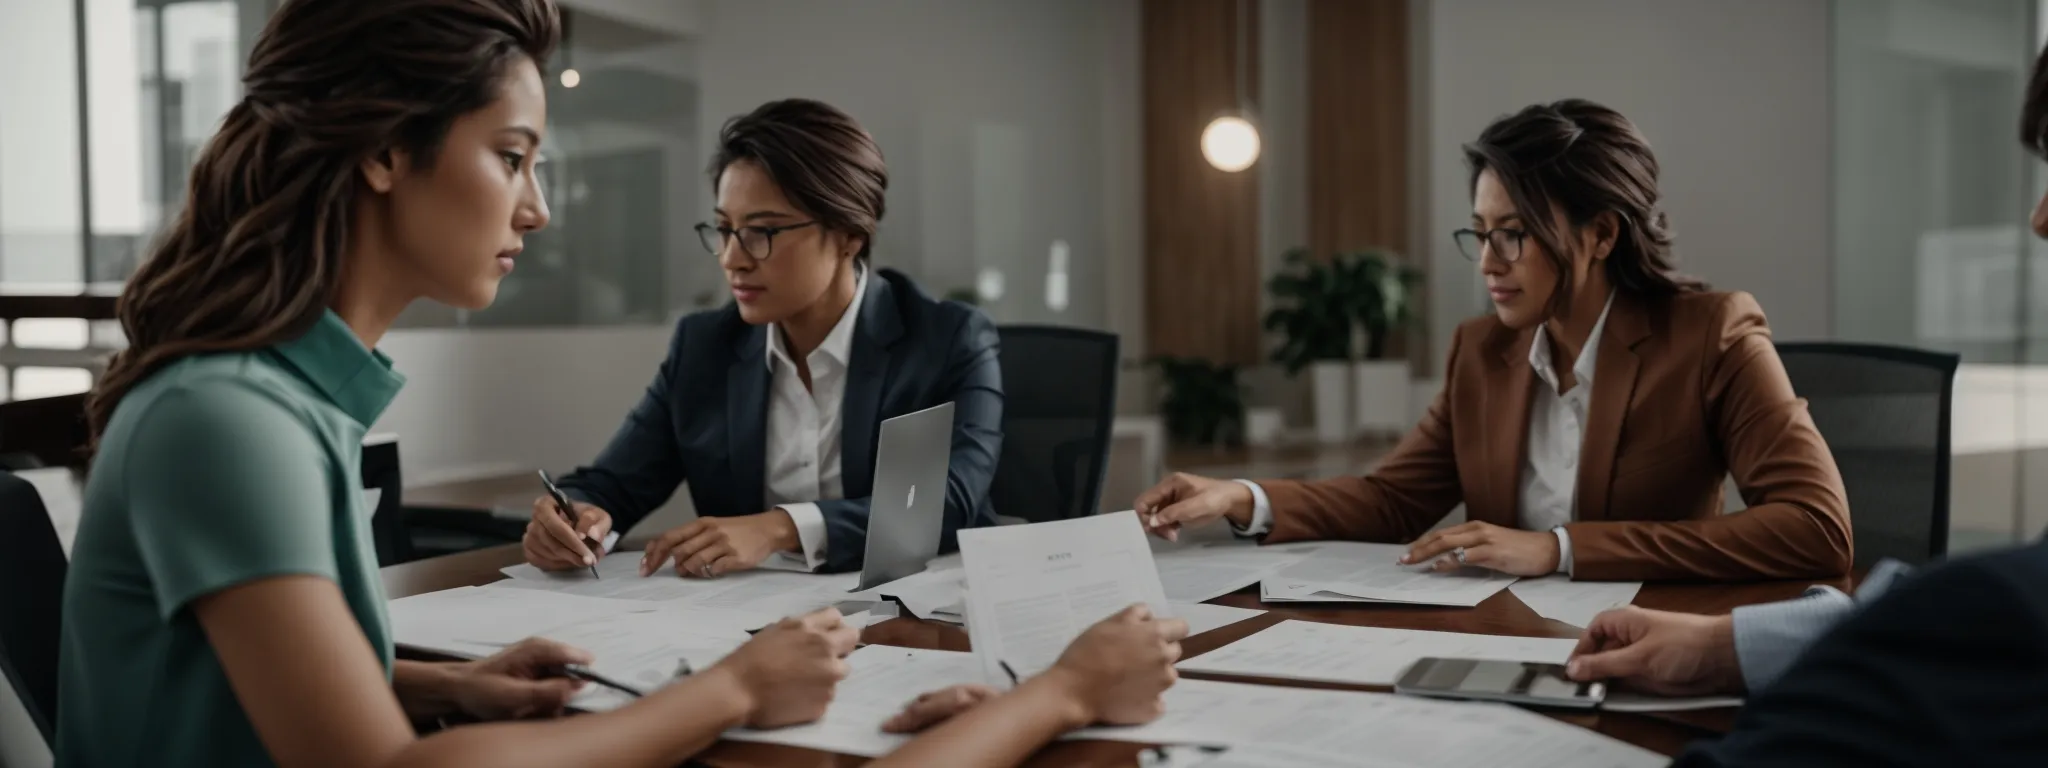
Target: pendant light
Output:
{"points": [[1231, 141]]}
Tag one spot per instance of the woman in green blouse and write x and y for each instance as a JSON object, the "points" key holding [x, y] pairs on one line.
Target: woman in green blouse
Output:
{"points": [[223, 606]]}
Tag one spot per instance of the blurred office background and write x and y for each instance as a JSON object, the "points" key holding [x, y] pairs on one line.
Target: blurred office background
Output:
{"points": [[1852, 163]]}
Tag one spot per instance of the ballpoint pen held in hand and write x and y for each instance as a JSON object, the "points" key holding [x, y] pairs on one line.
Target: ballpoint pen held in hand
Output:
{"points": [[568, 515]]}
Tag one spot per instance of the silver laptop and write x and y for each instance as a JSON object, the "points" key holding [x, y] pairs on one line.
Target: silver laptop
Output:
{"points": [[907, 510]]}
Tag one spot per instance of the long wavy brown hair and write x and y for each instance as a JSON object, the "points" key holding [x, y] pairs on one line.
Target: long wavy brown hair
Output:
{"points": [[1584, 159], [256, 255]]}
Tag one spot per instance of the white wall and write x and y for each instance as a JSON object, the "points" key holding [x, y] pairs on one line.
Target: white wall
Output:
{"points": [[1733, 96], [991, 115]]}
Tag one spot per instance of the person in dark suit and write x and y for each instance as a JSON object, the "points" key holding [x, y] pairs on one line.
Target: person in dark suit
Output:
{"points": [[771, 407], [1950, 667]]}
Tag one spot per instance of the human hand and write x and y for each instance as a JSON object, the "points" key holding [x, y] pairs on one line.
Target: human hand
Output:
{"points": [[1187, 500], [552, 545], [1115, 672], [936, 707], [712, 546], [788, 671], [1522, 553], [1668, 654], [520, 681]]}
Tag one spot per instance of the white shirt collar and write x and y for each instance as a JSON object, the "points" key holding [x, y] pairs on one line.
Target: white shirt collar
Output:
{"points": [[838, 343], [1582, 369]]}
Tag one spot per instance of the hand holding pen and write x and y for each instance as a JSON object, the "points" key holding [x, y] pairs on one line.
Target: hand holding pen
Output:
{"points": [[567, 514]]}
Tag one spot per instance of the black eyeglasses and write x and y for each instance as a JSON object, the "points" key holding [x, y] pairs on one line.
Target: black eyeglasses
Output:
{"points": [[1507, 243], [755, 242]]}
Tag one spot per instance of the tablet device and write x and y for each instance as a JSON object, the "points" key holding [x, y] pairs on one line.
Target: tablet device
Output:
{"points": [[1515, 682]]}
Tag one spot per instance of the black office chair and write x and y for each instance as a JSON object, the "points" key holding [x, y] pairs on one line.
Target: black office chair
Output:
{"points": [[403, 534], [1059, 402], [1885, 414], [32, 566]]}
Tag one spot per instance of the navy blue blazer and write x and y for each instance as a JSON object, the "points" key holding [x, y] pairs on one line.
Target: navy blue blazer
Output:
{"points": [[1949, 668], [704, 419]]}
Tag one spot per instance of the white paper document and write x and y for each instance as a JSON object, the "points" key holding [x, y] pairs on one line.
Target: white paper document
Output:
{"points": [[1373, 571], [1558, 598], [1202, 617], [775, 593], [1196, 573], [650, 649], [1031, 589], [926, 594], [880, 682], [1346, 728], [476, 620], [1335, 653]]}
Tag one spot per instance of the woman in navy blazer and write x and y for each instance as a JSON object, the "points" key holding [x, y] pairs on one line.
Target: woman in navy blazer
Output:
{"points": [[770, 408]]}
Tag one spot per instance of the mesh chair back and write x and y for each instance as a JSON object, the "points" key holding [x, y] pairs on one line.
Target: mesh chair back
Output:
{"points": [[1059, 402], [1885, 413]]}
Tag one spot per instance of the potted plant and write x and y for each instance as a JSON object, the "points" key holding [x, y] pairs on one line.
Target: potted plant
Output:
{"points": [[1384, 292], [1314, 313], [1202, 403]]}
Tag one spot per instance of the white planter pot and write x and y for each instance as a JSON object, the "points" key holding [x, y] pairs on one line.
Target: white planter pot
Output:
{"points": [[1262, 426], [1331, 380], [1383, 390]]}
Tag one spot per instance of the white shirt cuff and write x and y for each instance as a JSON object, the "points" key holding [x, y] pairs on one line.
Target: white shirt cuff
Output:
{"points": [[1564, 550], [1262, 513], [810, 534]]}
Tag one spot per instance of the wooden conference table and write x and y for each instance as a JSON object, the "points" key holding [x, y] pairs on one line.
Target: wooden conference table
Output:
{"points": [[1501, 614]]}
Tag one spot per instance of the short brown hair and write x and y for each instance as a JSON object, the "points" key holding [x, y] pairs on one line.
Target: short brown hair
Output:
{"points": [[820, 157], [1584, 159]]}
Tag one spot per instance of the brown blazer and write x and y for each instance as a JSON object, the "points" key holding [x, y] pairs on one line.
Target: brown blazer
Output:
{"points": [[1687, 390]]}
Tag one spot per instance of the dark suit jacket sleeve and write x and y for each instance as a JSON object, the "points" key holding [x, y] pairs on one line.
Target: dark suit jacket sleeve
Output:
{"points": [[1797, 521], [1948, 668], [974, 384], [1411, 489], [640, 468]]}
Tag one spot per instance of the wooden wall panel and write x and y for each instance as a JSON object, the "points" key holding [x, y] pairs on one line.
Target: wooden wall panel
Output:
{"points": [[1201, 224], [1358, 131]]}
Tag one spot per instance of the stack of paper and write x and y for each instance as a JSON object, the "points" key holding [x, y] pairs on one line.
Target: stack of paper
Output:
{"points": [[1335, 653], [772, 593], [473, 620], [1195, 573], [1558, 598], [927, 594], [1318, 728], [1354, 571]]}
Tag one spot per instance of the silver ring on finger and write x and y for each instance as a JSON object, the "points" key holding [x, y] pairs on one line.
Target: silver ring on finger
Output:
{"points": [[1459, 553]]}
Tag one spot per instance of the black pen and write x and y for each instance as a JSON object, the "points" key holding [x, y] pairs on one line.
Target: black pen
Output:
{"points": [[568, 516], [581, 672]]}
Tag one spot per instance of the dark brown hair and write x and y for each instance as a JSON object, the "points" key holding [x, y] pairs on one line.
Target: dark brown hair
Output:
{"points": [[1584, 159], [255, 256], [2034, 113], [819, 156]]}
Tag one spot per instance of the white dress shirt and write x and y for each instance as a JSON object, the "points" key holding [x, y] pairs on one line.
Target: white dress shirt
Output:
{"points": [[803, 430], [1557, 428]]}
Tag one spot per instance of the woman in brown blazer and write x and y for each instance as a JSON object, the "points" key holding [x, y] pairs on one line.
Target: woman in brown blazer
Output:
{"points": [[1586, 424]]}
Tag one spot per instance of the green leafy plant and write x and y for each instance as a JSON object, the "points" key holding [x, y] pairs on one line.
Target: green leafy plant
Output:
{"points": [[1202, 402], [1320, 304]]}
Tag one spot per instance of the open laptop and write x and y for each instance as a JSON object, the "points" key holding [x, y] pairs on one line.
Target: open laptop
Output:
{"points": [[907, 509]]}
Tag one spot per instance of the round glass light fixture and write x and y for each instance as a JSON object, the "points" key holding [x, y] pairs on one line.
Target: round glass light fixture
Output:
{"points": [[1230, 143], [571, 78]]}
